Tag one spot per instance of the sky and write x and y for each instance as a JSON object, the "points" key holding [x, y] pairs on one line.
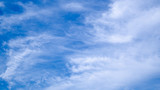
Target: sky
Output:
{"points": [[79, 44]]}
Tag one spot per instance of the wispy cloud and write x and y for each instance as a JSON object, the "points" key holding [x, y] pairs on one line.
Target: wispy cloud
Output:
{"points": [[26, 58], [74, 7], [31, 11], [126, 52], [2, 4], [111, 48]]}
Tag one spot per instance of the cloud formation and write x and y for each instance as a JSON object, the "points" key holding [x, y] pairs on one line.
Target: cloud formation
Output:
{"points": [[76, 46], [126, 39]]}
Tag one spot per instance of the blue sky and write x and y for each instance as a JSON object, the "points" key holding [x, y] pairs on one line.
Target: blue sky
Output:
{"points": [[79, 44]]}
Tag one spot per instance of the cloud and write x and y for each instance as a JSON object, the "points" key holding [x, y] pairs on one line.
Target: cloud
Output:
{"points": [[126, 40], [127, 25], [28, 60], [112, 49], [74, 6], [31, 11], [2, 4]]}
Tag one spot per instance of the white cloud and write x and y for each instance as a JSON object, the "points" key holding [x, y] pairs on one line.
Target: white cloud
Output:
{"points": [[30, 11], [23, 56], [74, 6], [126, 39], [16, 57], [126, 27], [124, 49], [119, 39]]}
